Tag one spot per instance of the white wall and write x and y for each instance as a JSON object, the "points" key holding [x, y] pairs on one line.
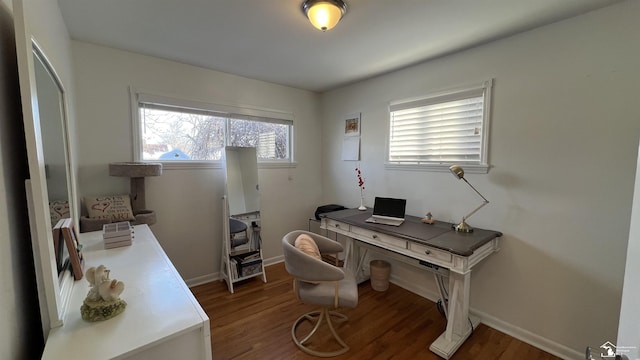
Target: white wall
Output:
{"points": [[188, 202], [564, 135]]}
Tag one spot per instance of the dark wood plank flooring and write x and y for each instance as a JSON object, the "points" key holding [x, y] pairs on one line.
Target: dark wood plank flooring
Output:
{"points": [[255, 323]]}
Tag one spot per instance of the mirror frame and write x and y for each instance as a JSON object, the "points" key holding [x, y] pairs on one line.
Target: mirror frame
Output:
{"points": [[54, 291]]}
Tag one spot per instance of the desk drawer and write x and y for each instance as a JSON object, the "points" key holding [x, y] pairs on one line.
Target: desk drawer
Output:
{"points": [[374, 237], [430, 252], [332, 224]]}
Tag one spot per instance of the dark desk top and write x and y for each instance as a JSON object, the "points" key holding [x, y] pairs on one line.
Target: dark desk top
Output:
{"points": [[440, 235]]}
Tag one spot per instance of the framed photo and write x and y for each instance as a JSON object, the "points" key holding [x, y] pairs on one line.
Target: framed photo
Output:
{"points": [[75, 250], [58, 244], [352, 125]]}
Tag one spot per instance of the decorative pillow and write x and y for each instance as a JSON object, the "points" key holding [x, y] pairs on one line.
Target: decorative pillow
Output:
{"points": [[306, 244], [113, 208], [59, 209]]}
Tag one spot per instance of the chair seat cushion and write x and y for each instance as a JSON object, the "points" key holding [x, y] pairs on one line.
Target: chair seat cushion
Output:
{"points": [[323, 293]]}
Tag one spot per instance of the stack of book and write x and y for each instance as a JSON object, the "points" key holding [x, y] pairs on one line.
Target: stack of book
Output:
{"points": [[246, 264], [117, 234]]}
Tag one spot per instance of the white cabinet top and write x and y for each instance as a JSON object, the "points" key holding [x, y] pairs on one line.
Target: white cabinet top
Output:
{"points": [[160, 306]]}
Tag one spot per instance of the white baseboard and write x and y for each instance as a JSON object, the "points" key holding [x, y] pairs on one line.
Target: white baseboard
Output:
{"points": [[523, 335], [200, 280], [273, 260], [530, 338]]}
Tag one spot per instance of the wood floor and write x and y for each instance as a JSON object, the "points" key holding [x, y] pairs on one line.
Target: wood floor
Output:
{"points": [[255, 323]]}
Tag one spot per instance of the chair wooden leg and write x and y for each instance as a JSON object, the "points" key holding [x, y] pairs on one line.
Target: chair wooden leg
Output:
{"points": [[322, 316]]}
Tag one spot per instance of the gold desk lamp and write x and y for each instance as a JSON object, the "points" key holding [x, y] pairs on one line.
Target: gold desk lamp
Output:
{"points": [[458, 172]]}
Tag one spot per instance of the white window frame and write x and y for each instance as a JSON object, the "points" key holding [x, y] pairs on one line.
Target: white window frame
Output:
{"points": [[246, 112], [441, 97]]}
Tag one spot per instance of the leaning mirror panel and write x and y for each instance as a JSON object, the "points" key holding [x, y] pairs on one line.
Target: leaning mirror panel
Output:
{"points": [[44, 110], [242, 243], [55, 146]]}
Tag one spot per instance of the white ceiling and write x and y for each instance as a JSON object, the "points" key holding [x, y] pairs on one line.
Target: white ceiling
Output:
{"points": [[272, 40]]}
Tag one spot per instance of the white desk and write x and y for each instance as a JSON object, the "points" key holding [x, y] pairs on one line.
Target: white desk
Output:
{"points": [[163, 320], [436, 248]]}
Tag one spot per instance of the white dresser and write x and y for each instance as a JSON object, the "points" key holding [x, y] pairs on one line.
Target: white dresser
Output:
{"points": [[163, 320]]}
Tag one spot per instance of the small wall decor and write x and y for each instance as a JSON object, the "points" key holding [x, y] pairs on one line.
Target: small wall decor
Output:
{"points": [[74, 247], [352, 125], [103, 300], [351, 141]]}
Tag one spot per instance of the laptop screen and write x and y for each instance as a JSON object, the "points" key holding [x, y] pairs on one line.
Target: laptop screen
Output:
{"points": [[389, 207]]}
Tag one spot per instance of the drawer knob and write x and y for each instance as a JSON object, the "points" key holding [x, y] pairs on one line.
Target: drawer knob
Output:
{"points": [[428, 252], [337, 225], [375, 236]]}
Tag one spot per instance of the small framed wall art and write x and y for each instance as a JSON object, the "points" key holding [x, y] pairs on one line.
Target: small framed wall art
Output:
{"points": [[351, 139], [352, 125]]}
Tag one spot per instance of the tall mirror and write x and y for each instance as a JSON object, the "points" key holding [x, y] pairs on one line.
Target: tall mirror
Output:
{"points": [[44, 108], [241, 249], [242, 180]]}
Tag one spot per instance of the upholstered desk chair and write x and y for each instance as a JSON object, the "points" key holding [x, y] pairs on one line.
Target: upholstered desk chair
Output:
{"points": [[320, 283]]}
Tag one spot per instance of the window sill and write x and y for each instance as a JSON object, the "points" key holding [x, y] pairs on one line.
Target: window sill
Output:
{"points": [[277, 165], [193, 165], [190, 165], [469, 169]]}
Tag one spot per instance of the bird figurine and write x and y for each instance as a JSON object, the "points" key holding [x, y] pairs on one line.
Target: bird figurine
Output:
{"points": [[111, 290], [103, 299]]}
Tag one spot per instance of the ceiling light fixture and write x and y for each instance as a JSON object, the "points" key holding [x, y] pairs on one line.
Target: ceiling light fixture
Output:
{"points": [[324, 14]]}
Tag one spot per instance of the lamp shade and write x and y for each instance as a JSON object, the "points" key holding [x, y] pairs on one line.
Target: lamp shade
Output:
{"points": [[324, 14], [457, 171]]}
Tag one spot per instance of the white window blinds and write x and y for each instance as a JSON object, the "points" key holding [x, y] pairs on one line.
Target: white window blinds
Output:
{"points": [[443, 129]]}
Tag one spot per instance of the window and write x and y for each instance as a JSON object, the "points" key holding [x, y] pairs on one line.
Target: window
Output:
{"points": [[440, 130], [183, 131]]}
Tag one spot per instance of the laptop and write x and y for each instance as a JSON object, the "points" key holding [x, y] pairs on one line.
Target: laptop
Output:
{"points": [[388, 211]]}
